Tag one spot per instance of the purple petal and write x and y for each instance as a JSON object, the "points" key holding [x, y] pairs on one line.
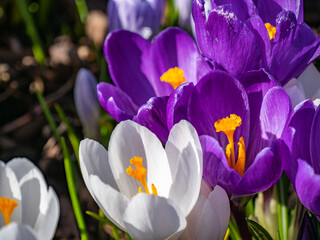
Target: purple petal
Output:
{"points": [[216, 170], [227, 40], [315, 142], [178, 104], [268, 10], [307, 186], [173, 48], [257, 84], [128, 56], [153, 116], [294, 46], [243, 9], [216, 96], [275, 113], [117, 103], [265, 170]]}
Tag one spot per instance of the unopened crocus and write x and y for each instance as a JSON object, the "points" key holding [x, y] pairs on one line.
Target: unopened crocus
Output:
{"points": [[184, 8], [240, 128], [144, 189], [209, 218], [303, 168], [232, 34], [146, 73], [140, 16], [28, 209], [86, 102]]}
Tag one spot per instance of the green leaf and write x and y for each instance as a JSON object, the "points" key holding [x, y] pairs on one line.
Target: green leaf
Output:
{"points": [[257, 231]]}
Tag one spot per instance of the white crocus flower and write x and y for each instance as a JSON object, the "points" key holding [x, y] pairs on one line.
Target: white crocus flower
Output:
{"points": [[307, 85], [209, 218], [173, 175], [28, 209]]}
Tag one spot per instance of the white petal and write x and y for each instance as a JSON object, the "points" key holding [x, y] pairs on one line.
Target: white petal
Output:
{"points": [[220, 202], [94, 161], [110, 201], [151, 217], [17, 232], [295, 91], [310, 80], [130, 139], [9, 188], [47, 221], [33, 189], [185, 158]]}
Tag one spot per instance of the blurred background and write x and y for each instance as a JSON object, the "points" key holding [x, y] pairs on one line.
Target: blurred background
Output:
{"points": [[43, 45]]}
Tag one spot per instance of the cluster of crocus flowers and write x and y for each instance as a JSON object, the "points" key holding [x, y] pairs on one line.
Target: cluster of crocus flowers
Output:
{"points": [[28, 209], [147, 190]]}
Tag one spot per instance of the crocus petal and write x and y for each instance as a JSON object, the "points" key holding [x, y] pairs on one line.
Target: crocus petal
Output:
{"points": [[315, 142], [216, 170], [274, 116], [295, 91], [128, 56], [153, 217], [220, 202], [228, 41], [308, 187], [301, 122], [185, 158], [178, 104], [216, 96], [294, 46], [33, 189], [116, 102], [153, 116], [268, 10], [17, 232], [138, 141], [173, 48], [9, 187], [110, 201], [265, 170], [310, 81], [47, 221], [94, 161]]}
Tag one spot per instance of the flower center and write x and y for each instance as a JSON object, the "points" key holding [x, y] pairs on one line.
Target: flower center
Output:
{"points": [[174, 76], [271, 30], [140, 174], [228, 125], [6, 207]]}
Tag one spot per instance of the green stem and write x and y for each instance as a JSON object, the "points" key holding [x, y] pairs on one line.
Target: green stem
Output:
{"points": [[283, 218], [31, 31], [73, 193], [234, 231], [48, 116]]}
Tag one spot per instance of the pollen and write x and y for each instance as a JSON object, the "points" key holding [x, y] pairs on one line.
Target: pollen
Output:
{"points": [[140, 174], [271, 30], [174, 76], [228, 126], [7, 207]]}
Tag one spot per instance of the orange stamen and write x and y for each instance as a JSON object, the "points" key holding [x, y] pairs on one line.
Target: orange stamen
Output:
{"points": [[174, 76], [271, 30], [6, 207]]}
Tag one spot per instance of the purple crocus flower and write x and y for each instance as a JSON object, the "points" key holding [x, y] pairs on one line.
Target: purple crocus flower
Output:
{"points": [[240, 128], [303, 169], [233, 34], [139, 16], [146, 73]]}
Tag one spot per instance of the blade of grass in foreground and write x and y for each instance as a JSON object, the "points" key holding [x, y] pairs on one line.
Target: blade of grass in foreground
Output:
{"points": [[73, 192], [31, 31]]}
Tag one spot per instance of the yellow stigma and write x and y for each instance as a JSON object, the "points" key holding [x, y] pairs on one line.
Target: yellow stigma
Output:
{"points": [[140, 174], [271, 30], [228, 125], [6, 207], [174, 76]]}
